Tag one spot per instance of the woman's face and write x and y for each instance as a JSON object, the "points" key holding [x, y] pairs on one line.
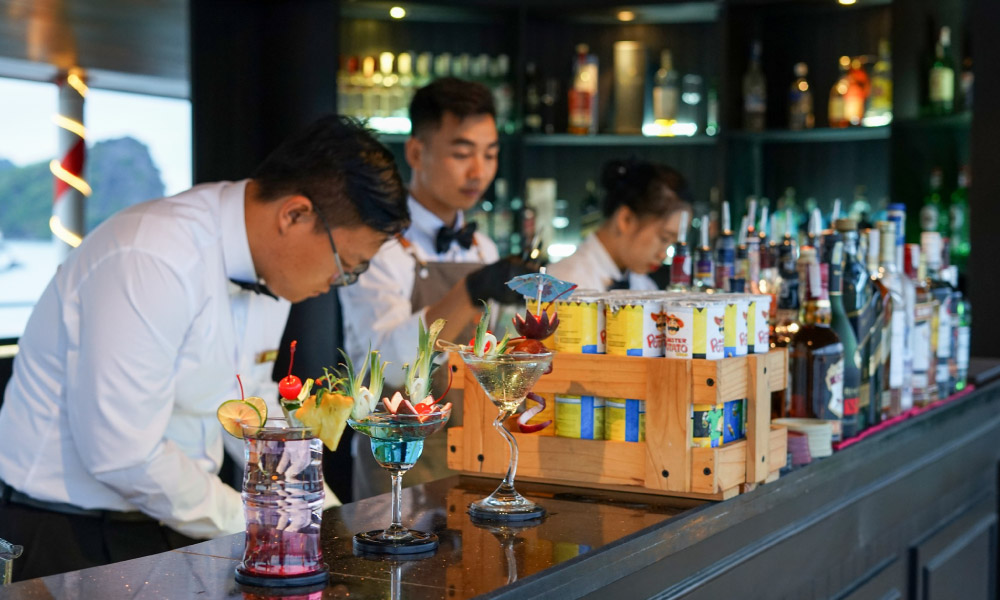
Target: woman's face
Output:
{"points": [[647, 241]]}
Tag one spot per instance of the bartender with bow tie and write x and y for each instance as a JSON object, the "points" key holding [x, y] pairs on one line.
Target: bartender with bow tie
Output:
{"points": [[435, 269]]}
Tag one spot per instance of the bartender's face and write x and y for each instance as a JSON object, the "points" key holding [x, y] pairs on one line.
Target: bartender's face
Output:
{"points": [[455, 163], [648, 240], [309, 255]]}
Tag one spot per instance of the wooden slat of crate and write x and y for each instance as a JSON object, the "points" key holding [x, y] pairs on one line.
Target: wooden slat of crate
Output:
{"points": [[758, 418], [587, 461], [718, 381], [777, 368], [596, 375], [668, 425], [778, 452]]}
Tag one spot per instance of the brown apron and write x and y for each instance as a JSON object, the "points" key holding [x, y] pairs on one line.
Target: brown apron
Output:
{"points": [[431, 282]]}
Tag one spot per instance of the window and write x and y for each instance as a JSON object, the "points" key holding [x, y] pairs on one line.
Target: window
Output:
{"points": [[138, 148]]}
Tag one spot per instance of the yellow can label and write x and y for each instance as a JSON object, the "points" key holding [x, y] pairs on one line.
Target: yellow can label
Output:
{"points": [[622, 422], [579, 328], [636, 329], [580, 417], [709, 331]]}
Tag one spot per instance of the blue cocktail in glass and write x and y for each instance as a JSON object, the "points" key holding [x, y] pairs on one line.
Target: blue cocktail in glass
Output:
{"points": [[397, 441]]}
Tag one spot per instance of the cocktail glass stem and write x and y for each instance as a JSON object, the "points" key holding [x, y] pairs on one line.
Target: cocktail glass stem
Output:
{"points": [[396, 529], [507, 485]]}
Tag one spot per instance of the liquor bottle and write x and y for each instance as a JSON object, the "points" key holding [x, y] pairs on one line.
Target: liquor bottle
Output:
{"points": [[816, 354], [958, 221], [881, 327], [899, 364], [837, 108], [858, 300], [503, 93], [833, 258], [800, 100], [753, 251], [897, 214], [712, 110], [814, 233], [405, 87], [769, 280], [583, 93], [704, 264], [725, 250], [680, 264], [460, 66], [754, 92], [787, 314], [550, 95], [442, 65], [933, 214], [861, 208], [858, 89], [941, 291], [354, 97], [879, 111], [368, 100], [924, 319], [503, 219], [941, 78], [423, 71], [532, 99], [963, 321], [666, 90]]}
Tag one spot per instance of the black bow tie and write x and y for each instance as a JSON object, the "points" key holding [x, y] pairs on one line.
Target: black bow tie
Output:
{"points": [[446, 235], [620, 284], [254, 287]]}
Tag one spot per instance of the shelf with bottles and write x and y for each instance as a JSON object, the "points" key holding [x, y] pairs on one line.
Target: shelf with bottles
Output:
{"points": [[819, 134]]}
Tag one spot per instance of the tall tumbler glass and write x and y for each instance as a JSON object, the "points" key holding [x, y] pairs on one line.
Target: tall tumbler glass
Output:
{"points": [[283, 503]]}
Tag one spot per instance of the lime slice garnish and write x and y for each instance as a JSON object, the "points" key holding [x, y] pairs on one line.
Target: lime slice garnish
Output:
{"points": [[260, 405], [233, 414]]}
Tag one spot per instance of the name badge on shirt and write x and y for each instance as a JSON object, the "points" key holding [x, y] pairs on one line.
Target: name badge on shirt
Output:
{"points": [[267, 356]]}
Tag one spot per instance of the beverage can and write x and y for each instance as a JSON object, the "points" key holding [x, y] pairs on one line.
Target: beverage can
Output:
{"points": [[586, 332], [622, 422], [707, 422], [580, 417], [708, 317], [635, 326], [758, 325], [735, 324]]}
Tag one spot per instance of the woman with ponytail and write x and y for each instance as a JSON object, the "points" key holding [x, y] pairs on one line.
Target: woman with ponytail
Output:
{"points": [[642, 208]]}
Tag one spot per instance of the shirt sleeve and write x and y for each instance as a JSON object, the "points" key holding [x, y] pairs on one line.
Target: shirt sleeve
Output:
{"points": [[135, 312], [378, 313]]}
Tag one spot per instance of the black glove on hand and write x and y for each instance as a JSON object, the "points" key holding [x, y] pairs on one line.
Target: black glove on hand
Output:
{"points": [[490, 282]]}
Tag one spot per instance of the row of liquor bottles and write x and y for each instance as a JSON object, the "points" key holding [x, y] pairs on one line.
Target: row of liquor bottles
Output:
{"points": [[862, 94], [873, 325], [378, 88]]}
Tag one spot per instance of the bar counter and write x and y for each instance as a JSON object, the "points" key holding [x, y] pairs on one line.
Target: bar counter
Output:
{"points": [[910, 512]]}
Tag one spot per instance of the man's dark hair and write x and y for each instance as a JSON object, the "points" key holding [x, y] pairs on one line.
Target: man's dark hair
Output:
{"points": [[350, 177], [449, 94]]}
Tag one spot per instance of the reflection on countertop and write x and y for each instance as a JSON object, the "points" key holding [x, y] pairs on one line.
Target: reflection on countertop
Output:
{"points": [[473, 558]]}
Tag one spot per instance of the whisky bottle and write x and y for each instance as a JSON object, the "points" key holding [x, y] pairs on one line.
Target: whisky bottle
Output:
{"points": [[899, 370], [816, 355], [941, 78], [833, 258], [754, 92], [680, 264], [859, 299], [924, 320], [941, 291]]}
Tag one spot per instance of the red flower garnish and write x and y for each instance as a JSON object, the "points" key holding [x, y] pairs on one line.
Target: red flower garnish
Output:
{"points": [[536, 328]]}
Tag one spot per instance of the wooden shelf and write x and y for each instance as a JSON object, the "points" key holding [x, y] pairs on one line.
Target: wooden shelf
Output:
{"points": [[612, 140], [818, 135]]}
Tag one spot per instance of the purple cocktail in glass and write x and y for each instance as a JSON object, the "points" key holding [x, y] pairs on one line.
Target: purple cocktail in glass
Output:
{"points": [[283, 502]]}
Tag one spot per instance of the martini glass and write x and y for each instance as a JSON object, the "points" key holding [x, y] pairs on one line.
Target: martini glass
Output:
{"points": [[507, 379], [397, 441]]}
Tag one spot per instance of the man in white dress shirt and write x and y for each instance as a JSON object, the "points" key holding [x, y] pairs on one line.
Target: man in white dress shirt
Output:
{"points": [[110, 440], [435, 269]]}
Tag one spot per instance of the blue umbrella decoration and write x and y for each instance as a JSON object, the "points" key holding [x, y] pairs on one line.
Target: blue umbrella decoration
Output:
{"points": [[541, 286]]}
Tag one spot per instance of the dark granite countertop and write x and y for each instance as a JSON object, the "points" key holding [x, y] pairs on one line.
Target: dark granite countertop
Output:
{"points": [[471, 560]]}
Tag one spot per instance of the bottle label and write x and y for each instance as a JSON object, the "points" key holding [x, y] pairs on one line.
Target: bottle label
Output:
{"points": [[579, 110], [942, 84], [962, 348], [834, 381], [929, 217], [896, 348], [957, 221], [944, 333], [881, 94], [665, 103], [755, 103]]}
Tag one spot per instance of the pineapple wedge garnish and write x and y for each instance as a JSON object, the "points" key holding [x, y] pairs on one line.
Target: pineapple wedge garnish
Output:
{"points": [[327, 417]]}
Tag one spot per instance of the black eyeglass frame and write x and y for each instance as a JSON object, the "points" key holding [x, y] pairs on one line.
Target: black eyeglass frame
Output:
{"points": [[345, 278]]}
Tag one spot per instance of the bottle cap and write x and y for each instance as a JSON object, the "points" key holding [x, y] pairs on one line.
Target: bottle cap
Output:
{"points": [[897, 206]]}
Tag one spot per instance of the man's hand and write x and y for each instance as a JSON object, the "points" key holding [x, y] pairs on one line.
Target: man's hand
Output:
{"points": [[490, 282]]}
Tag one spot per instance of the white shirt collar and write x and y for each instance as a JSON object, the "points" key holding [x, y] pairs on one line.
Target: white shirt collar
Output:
{"points": [[601, 259], [426, 222], [235, 244]]}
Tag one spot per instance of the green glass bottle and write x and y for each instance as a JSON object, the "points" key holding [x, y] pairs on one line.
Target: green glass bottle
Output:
{"points": [[958, 243], [833, 256]]}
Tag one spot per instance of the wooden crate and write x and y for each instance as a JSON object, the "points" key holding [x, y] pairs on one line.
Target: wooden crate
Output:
{"points": [[665, 463]]}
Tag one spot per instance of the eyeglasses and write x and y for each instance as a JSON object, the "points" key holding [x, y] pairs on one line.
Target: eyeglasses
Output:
{"points": [[346, 277]]}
